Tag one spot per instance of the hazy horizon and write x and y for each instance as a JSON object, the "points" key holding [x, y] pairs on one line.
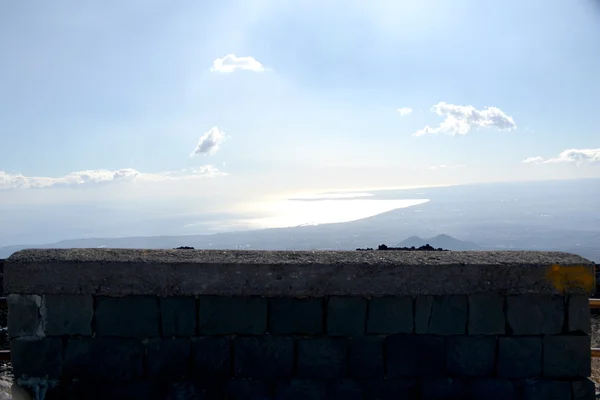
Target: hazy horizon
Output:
{"points": [[556, 215], [299, 209]]}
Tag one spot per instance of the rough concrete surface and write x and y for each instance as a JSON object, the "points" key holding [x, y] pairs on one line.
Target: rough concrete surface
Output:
{"points": [[119, 272]]}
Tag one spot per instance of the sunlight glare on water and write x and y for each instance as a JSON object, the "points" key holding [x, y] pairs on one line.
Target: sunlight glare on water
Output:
{"points": [[295, 213]]}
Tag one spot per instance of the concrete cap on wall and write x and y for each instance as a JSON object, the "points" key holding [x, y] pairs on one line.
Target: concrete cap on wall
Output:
{"points": [[120, 272]]}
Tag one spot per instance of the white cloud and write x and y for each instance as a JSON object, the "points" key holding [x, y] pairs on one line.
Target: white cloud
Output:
{"points": [[444, 166], [575, 156], [460, 119], [533, 160], [230, 63], [210, 142], [101, 176], [405, 111]]}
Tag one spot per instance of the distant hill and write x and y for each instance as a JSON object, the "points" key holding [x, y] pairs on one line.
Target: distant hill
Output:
{"points": [[443, 241]]}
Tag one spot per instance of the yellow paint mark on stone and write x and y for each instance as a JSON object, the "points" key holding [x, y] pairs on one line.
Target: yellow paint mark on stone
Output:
{"points": [[572, 277]]}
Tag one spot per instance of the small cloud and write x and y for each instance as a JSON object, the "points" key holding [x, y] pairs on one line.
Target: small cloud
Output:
{"points": [[444, 166], [405, 111], [231, 63], [574, 156], [208, 171], [100, 177], [460, 119], [533, 160], [210, 142]]}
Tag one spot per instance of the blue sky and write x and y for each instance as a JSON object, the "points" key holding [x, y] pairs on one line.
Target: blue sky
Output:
{"points": [[132, 94]]}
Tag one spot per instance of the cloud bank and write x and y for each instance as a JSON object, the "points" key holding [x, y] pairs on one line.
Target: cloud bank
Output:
{"points": [[405, 111], [458, 120], [231, 63], [101, 176], [573, 156], [210, 142]]}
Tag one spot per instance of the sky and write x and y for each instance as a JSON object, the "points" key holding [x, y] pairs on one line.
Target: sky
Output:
{"points": [[115, 115]]}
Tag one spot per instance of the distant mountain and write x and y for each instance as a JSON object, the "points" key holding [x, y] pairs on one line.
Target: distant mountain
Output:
{"points": [[443, 241]]}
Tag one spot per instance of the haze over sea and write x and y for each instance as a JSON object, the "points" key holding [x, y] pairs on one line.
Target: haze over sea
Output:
{"points": [[296, 212]]}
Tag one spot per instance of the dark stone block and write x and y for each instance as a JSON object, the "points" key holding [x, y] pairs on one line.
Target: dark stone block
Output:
{"points": [[301, 389], [184, 390], [23, 315], [535, 314], [519, 357], [62, 392], [584, 389], [232, 315], [546, 390], [208, 389], [346, 316], [415, 356], [390, 389], [37, 358], [211, 358], [578, 314], [48, 390], [322, 358], [365, 357], [89, 390], [154, 389], [423, 308], [178, 316], [168, 358], [470, 356], [67, 315], [295, 316], [344, 389], [127, 317], [103, 359], [567, 356], [441, 315], [444, 389], [391, 314], [247, 389], [146, 390], [493, 389], [263, 357], [449, 315], [486, 314]]}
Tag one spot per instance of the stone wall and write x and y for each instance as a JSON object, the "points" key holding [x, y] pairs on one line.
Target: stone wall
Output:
{"points": [[127, 324]]}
